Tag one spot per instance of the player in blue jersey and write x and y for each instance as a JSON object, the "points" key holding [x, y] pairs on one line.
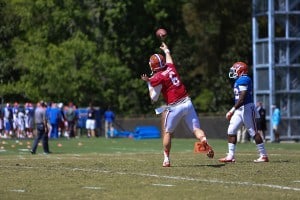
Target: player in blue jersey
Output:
{"points": [[243, 112]]}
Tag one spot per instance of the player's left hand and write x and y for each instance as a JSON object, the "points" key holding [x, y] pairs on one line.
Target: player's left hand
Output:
{"points": [[230, 113]]}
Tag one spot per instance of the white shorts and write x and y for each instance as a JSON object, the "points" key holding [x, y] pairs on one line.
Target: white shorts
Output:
{"points": [[244, 115], [90, 124], [183, 111]]}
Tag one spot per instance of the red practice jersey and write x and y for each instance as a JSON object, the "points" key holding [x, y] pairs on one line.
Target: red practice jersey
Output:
{"points": [[172, 87]]}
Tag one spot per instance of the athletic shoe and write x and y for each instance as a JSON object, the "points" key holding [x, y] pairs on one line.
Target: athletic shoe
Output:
{"points": [[166, 164], [227, 159], [262, 159]]}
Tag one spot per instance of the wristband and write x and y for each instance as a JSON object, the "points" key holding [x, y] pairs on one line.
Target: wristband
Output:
{"points": [[167, 51], [232, 110]]}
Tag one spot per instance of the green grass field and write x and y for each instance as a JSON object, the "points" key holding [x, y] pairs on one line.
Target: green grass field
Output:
{"points": [[124, 169]]}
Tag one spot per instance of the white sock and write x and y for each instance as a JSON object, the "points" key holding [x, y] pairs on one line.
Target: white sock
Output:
{"points": [[166, 156], [231, 149], [261, 149]]}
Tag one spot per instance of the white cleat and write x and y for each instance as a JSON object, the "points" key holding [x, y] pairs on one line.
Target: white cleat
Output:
{"points": [[262, 159], [166, 164]]}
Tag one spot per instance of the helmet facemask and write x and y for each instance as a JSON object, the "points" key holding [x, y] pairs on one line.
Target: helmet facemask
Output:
{"points": [[232, 73]]}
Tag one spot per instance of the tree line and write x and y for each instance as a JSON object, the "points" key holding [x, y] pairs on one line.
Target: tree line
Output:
{"points": [[95, 50]]}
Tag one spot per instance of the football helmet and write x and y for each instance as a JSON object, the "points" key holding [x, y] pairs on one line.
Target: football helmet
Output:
{"points": [[238, 69], [157, 62]]}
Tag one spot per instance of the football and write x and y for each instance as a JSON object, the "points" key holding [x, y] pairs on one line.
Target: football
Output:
{"points": [[161, 33]]}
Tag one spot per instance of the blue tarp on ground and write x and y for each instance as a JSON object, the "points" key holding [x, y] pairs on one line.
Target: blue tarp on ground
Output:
{"points": [[146, 132], [140, 132]]}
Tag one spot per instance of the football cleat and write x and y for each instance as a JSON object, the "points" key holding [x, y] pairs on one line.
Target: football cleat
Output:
{"points": [[166, 164], [262, 159], [227, 159]]}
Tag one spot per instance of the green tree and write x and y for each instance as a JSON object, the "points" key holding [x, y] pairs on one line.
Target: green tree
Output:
{"points": [[96, 50], [221, 33]]}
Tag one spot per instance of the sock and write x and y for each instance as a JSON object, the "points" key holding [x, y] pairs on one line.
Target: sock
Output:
{"points": [[231, 149], [166, 155], [261, 149]]}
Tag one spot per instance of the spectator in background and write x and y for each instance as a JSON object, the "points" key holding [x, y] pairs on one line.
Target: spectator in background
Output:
{"points": [[71, 118], [62, 126], [261, 121], [48, 108], [20, 124], [29, 119], [276, 118], [91, 121], [54, 119], [7, 120], [76, 121], [1, 121], [15, 110], [41, 127], [242, 134], [109, 118]]}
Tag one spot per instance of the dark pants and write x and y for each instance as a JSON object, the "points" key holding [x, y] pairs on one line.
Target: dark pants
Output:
{"points": [[41, 135]]}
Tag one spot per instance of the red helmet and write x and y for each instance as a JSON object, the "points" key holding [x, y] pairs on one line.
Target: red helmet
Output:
{"points": [[157, 62], [238, 69]]}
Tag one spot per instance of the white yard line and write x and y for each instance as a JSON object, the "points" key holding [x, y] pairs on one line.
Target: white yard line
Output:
{"points": [[92, 188], [17, 190], [163, 185], [281, 187]]}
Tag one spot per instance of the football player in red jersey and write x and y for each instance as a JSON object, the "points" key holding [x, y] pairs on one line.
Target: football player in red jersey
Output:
{"points": [[166, 80]]}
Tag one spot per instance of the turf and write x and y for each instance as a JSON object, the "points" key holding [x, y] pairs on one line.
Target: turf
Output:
{"points": [[99, 168]]}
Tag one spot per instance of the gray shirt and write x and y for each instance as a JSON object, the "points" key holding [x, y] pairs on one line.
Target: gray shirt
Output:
{"points": [[40, 115]]}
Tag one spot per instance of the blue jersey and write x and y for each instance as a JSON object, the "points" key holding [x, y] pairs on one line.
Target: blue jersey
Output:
{"points": [[243, 83], [109, 116]]}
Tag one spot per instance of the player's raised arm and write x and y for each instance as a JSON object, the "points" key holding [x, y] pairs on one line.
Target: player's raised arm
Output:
{"points": [[165, 48]]}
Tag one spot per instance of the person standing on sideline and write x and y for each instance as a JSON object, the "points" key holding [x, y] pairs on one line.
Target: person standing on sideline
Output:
{"points": [[242, 135], [54, 119], [261, 121], [91, 121], [8, 120], [70, 116], [166, 80], [41, 128], [109, 118], [29, 118], [276, 118], [243, 112]]}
